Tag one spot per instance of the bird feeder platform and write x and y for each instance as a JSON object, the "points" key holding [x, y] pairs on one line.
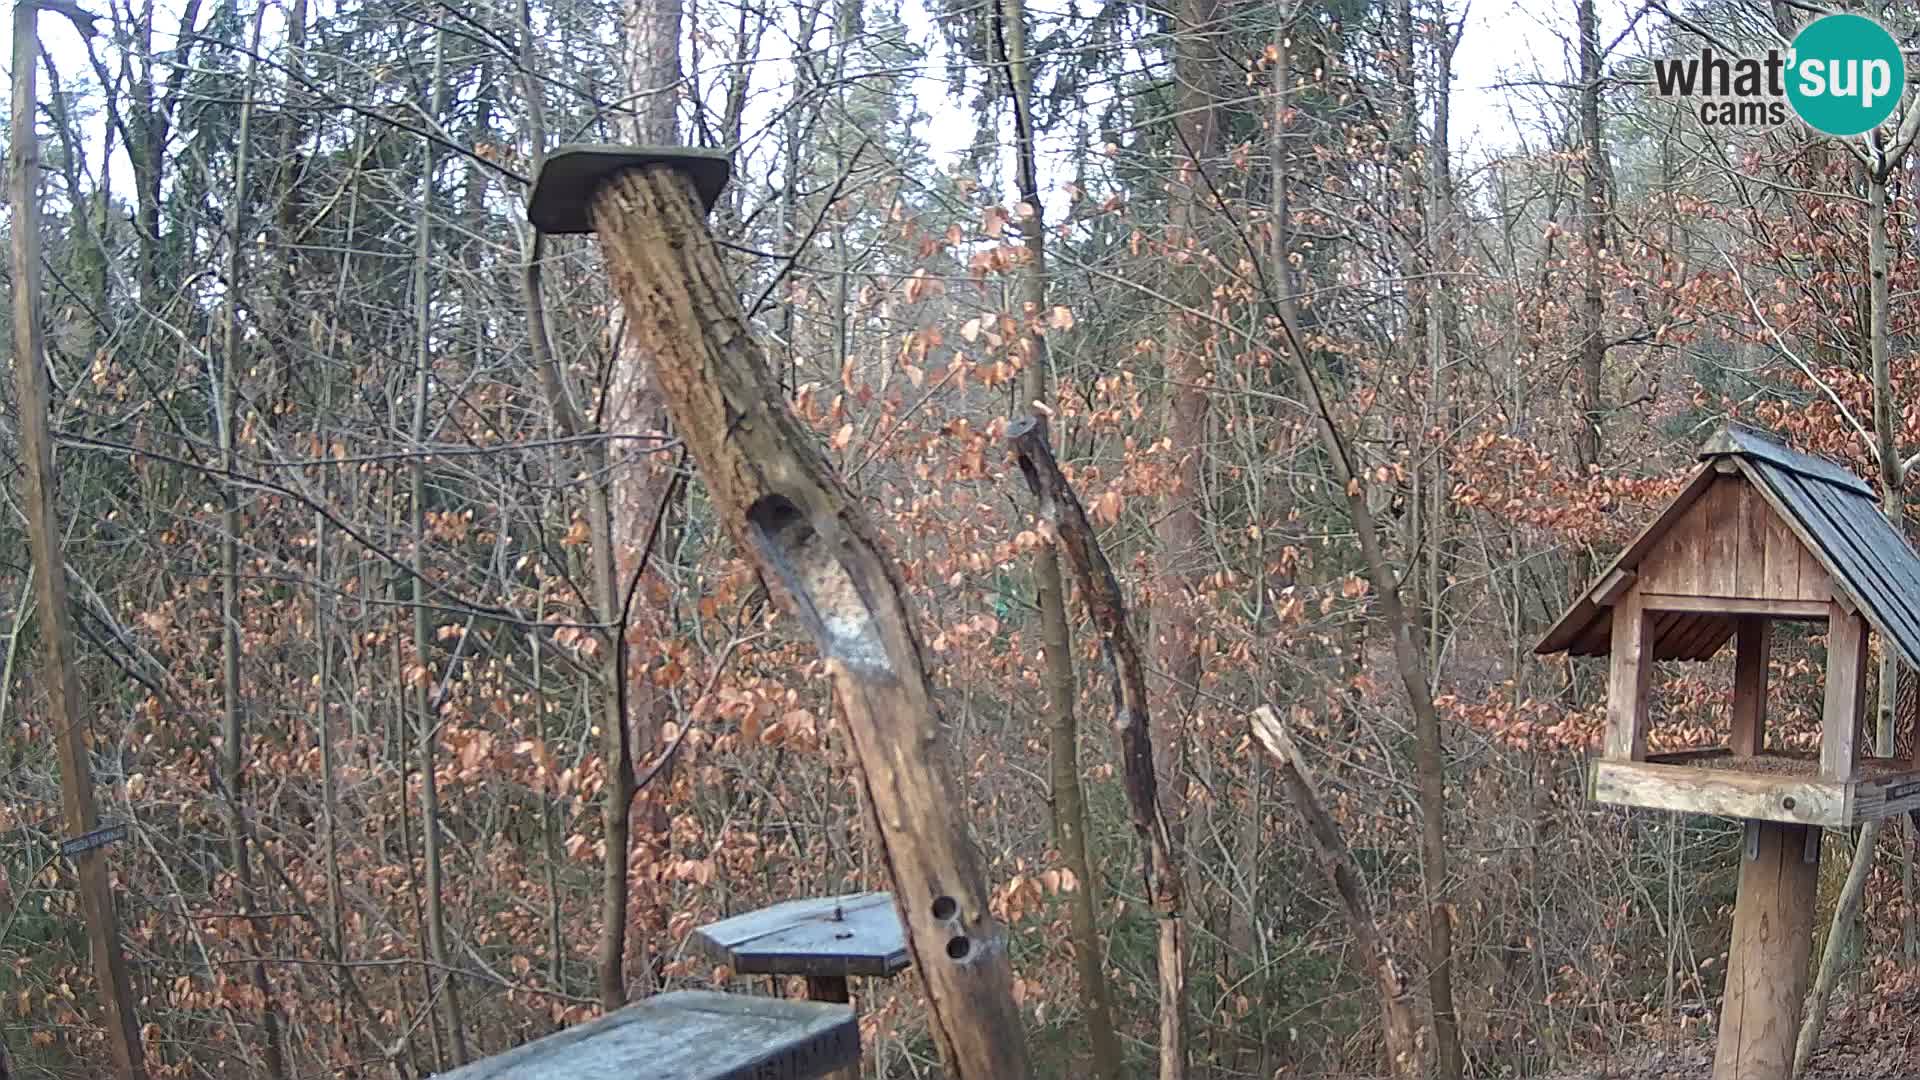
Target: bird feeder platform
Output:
{"points": [[1769, 786], [689, 1035], [825, 939], [1760, 534]]}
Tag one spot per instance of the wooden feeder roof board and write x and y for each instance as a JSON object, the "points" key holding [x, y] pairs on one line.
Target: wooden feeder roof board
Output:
{"points": [[803, 937], [1833, 513], [688, 1035]]}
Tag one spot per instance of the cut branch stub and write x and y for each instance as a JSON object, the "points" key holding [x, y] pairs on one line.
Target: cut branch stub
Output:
{"points": [[823, 563]]}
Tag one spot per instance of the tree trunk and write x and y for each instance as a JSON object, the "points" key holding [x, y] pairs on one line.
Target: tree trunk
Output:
{"points": [[233, 755], [1063, 737], [1845, 909], [426, 709], [1106, 608], [625, 490], [69, 713], [1593, 217], [823, 564], [1180, 532], [1443, 411]]}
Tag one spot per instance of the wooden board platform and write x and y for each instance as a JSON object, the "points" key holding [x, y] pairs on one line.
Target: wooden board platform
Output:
{"points": [[855, 934], [1767, 787], [688, 1035]]}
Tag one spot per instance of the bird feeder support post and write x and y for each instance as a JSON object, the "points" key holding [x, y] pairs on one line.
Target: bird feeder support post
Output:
{"points": [[821, 558]]}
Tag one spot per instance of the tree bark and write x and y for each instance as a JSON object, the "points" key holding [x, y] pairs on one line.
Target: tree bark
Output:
{"points": [[823, 564], [1106, 608], [621, 498], [1593, 217], [233, 754], [1180, 532], [1402, 1042], [425, 709], [1063, 735], [68, 711]]}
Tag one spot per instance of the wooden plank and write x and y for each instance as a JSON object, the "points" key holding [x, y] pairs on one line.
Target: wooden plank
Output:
{"points": [[1615, 582], [855, 934], [1752, 638], [688, 1035], [834, 989], [1736, 605], [1785, 555], [1628, 676], [1674, 565], [1720, 537], [1689, 757], [1750, 530], [1846, 693], [1793, 511], [1702, 636], [1722, 792], [1767, 963], [1657, 635], [1887, 796]]}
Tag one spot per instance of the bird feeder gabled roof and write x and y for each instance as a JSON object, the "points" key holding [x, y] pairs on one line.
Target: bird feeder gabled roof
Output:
{"points": [[1832, 513]]}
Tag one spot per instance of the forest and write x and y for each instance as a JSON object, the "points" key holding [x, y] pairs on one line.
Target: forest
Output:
{"points": [[358, 582]]}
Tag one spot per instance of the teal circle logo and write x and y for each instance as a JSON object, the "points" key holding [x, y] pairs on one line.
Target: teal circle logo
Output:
{"points": [[1845, 75]]}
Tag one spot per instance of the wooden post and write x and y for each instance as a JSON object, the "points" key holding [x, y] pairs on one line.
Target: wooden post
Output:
{"points": [[833, 989], [1752, 636], [1846, 693], [69, 715], [822, 562], [1767, 965], [1628, 677]]}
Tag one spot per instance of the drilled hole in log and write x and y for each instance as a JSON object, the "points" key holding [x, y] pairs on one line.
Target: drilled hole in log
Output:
{"points": [[959, 947], [944, 907], [829, 600]]}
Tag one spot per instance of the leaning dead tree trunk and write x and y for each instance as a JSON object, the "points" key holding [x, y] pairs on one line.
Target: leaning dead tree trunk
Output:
{"points": [[67, 709], [821, 559], [1336, 861], [1050, 594], [1106, 607]]}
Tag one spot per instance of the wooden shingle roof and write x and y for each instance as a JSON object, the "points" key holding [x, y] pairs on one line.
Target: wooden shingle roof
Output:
{"points": [[1833, 513]]}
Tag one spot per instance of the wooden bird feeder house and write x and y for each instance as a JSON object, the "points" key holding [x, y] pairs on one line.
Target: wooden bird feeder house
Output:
{"points": [[826, 939], [1760, 534]]}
